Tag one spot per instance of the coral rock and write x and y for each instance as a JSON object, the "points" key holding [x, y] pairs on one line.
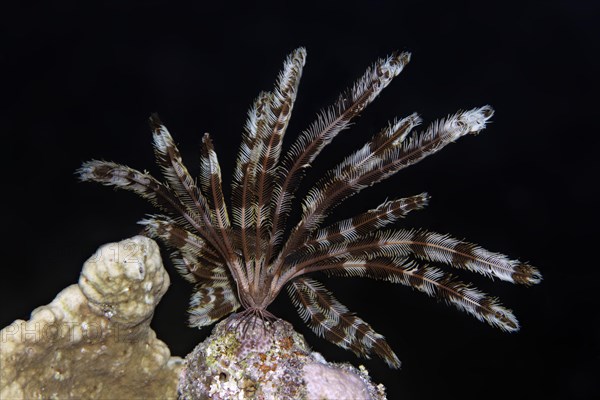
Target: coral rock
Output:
{"points": [[257, 359], [94, 341]]}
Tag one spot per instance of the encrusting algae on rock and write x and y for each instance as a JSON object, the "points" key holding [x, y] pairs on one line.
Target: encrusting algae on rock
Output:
{"points": [[94, 341], [267, 360]]}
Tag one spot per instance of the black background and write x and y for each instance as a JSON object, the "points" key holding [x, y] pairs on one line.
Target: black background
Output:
{"points": [[79, 80]]}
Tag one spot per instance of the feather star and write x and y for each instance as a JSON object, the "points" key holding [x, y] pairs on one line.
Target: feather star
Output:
{"points": [[240, 257]]}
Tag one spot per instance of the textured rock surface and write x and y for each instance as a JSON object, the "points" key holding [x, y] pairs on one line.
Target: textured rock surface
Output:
{"points": [[272, 361], [94, 341]]}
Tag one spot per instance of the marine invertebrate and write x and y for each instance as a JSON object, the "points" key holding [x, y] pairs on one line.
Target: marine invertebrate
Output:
{"points": [[245, 260]]}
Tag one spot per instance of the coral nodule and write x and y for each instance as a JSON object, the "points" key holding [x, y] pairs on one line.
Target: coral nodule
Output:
{"points": [[94, 341]]}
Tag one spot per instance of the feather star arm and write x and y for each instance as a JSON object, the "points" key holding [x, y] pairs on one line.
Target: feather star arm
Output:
{"points": [[323, 130], [329, 318]]}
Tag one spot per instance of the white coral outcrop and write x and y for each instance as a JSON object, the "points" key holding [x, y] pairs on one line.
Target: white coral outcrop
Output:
{"points": [[93, 340]]}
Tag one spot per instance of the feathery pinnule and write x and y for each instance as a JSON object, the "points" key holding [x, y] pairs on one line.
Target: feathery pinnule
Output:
{"points": [[278, 116], [176, 174], [352, 228], [429, 280], [258, 158], [435, 247], [122, 177], [390, 136], [194, 269], [184, 187], [245, 262], [420, 244], [210, 182], [329, 318], [366, 168], [166, 229], [212, 301], [323, 130], [342, 179], [243, 195]]}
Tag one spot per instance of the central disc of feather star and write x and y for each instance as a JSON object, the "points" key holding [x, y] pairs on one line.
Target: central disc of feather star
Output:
{"points": [[241, 259]]}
